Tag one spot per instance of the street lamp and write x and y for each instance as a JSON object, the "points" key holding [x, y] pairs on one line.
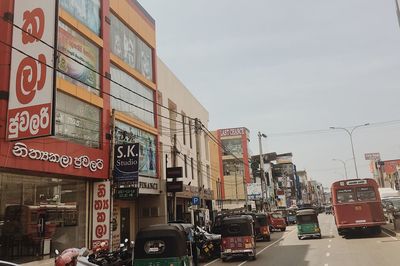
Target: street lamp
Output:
{"points": [[350, 132], [344, 165], [262, 175]]}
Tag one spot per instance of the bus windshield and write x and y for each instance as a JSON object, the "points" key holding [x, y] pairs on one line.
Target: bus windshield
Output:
{"points": [[345, 195], [365, 194]]}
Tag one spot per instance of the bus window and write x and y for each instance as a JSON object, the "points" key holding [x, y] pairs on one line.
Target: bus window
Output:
{"points": [[365, 193], [345, 195]]}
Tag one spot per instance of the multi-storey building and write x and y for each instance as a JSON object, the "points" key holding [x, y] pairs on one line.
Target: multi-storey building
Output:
{"points": [[235, 171], [61, 111], [184, 143]]}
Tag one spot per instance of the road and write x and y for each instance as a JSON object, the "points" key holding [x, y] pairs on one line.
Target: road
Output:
{"points": [[332, 250]]}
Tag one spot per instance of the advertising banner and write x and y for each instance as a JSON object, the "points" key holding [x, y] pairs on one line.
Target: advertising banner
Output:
{"points": [[125, 133], [86, 11], [101, 215], [76, 47], [30, 104], [126, 162], [254, 191], [130, 48]]}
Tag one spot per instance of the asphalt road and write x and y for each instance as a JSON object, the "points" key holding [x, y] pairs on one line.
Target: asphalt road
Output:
{"points": [[332, 250]]}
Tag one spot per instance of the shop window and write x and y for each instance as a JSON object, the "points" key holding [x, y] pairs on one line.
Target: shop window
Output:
{"points": [[87, 12], [131, 97], [36, 210], [77, 121], [78, 59], [130, 48], [125, 133]]}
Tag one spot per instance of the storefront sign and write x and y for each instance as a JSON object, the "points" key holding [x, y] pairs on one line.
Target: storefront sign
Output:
{"points": [[21, 150], [128, 193], [30, 104], [101, 215], [126, 162], [174, 172], [115, 226], [175, 186], [232, 131], [149, 185], [375, 156]]}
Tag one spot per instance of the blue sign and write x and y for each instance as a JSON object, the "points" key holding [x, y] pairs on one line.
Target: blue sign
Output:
{"points": [[126, 162], [195, 200]]}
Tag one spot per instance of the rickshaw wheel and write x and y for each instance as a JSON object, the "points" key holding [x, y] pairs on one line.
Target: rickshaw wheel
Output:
{"points": [[253, 257], [299, 237], [268, 238], [224, 259], [283, 229]]}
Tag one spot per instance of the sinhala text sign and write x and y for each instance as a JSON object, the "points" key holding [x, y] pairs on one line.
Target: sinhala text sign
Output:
{"points": [[126, 162], [30, 104], [101, 214]]}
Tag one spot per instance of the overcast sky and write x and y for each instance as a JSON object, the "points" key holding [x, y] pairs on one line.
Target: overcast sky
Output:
{"points": [[290, 66]]}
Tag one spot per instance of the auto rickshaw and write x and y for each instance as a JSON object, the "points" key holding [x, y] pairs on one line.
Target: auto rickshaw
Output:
{"points": [[263, 229], [237, 237], [307, 224], [164, 244]]}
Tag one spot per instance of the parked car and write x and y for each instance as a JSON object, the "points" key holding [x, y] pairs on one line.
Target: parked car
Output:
{"points": [[6, 263]]}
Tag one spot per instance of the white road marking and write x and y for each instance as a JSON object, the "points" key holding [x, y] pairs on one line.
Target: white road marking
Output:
{"points": [[389, 235], [326, 264], [329, 246], [211, 262], [330, 240], [328, 254], [273, 243]]}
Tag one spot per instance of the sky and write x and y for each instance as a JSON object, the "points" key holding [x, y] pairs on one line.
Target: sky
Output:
{"points": [[291, 69]]}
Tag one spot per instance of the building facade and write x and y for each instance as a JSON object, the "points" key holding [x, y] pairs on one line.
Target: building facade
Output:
{"points": [[234, 157], [55, 169], [184, 143]]}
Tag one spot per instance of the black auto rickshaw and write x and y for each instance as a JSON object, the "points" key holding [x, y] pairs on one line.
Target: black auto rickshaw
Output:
{"points": [[164, 244], [307, 224], [237, 237], [262, 232]]}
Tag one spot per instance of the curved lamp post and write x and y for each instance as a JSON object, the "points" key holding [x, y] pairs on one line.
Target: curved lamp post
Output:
{"points": [[344, 165], [350, 132]]}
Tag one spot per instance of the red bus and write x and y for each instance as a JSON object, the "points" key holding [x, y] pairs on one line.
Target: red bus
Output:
{"points": [[357, 205]]}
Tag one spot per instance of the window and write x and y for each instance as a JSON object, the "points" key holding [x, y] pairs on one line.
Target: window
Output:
{"points": [[130, 48], [80, 124], [78, 59], [206, 150], [366, 194], [190, 133], [185, 159], [132, 97], [191, 162], [184, 128], [232, 146], [345, 195], [154, 247], [87, 12]]}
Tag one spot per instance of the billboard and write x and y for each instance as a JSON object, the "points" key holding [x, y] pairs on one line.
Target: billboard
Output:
{"points": [[73, 49], [86, 11], [232, 131], [126, 162], [30, 105]]}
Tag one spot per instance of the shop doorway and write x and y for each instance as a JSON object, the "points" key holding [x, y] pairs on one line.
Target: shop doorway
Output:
{"points": [[125, 224]]}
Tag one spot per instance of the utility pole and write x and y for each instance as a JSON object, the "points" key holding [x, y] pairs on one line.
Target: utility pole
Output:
{"points": [[197, 131], [174, 153], [262, 174], [236, 184], [246, 196]]}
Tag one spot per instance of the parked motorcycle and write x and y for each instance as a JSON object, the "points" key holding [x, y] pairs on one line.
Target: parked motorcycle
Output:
{"points": [[208, 244]]}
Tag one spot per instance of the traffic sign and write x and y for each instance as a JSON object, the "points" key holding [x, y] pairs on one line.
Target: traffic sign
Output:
{"points": [[195, 200]]}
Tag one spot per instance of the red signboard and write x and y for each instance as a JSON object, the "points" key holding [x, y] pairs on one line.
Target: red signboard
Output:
{"points": [[30, 105], [101, 215]]}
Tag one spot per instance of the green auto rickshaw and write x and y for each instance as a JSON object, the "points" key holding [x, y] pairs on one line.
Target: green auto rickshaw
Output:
{"points": [[307, 224], [164, 244]]}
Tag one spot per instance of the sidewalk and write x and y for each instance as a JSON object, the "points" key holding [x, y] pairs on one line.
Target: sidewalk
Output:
{"points": [[389, 229]]}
